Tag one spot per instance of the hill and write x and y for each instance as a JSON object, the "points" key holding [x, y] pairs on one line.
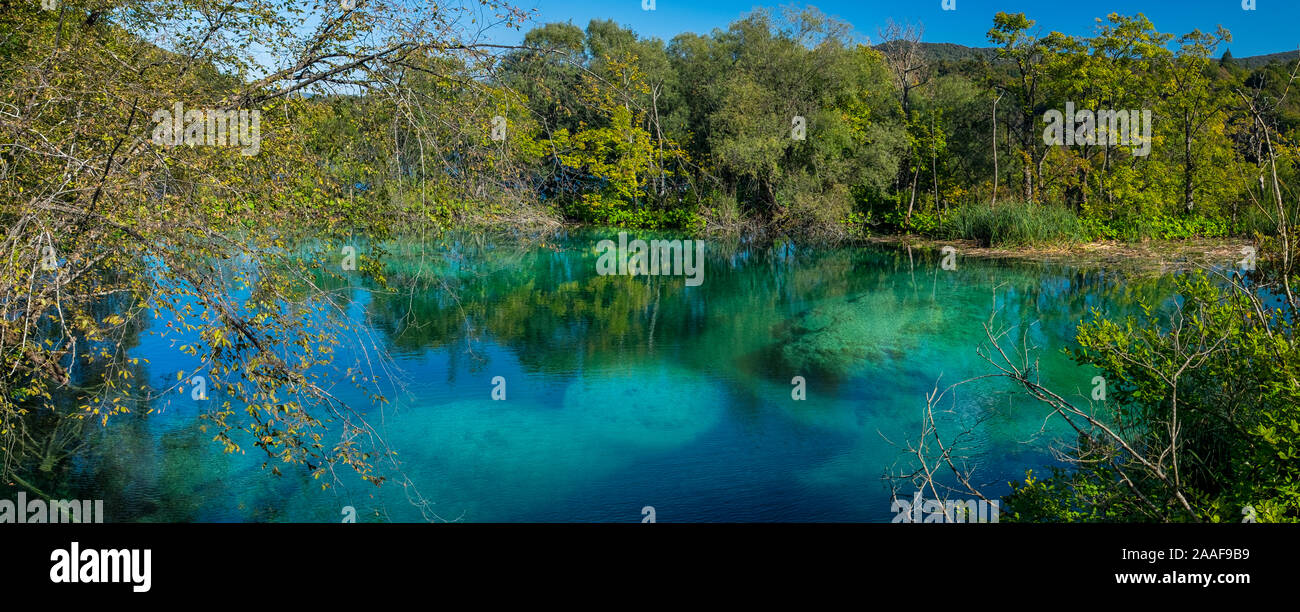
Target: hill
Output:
{"points": [[955, 53]]}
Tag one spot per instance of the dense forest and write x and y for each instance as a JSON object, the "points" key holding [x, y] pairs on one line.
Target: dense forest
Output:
{"points": [[376, 120], [899, 136]]}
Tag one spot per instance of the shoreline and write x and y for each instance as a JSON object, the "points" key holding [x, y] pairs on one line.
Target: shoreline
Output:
{"points": [[1161, 256], [1150, 256]]}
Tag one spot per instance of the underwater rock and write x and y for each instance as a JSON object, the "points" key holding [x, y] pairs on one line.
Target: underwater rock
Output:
{"points": [[837, 339]]}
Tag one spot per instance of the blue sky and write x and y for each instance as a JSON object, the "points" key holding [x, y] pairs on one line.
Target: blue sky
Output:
{"points": [[1270, 28]]}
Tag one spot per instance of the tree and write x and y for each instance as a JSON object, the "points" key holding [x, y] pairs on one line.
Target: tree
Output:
{"points": [[1011, 34], [110, 225]]}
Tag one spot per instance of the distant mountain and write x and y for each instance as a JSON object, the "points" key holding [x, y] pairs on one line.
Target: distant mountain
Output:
{"points": [[951, 52], [1255, 61]]}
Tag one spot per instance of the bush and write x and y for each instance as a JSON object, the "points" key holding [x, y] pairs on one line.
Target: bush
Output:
{"points": [[1235, 410], [605, 210], [1135, 229]]}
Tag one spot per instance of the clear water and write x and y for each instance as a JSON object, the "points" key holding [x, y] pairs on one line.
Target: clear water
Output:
{"points": [[626, 392]]}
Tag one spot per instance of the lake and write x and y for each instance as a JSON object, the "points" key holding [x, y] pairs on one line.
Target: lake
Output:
{"points": [[623, 392]]}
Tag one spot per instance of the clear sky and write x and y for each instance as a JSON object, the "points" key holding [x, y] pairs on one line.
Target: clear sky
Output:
{"points": [[1273, 26]]}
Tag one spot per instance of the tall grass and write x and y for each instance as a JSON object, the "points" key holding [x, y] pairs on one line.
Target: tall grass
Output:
{"points": [[1013, 223]]}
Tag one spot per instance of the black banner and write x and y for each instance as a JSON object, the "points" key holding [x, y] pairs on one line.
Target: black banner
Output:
{"points": [[284, 561]]}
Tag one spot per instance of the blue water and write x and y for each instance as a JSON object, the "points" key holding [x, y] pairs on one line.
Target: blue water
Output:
{"points": [[627, 392]]}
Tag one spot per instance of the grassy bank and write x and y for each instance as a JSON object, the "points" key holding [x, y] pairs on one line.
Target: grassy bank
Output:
{"points": [[1047, 226], [1012, 224]]}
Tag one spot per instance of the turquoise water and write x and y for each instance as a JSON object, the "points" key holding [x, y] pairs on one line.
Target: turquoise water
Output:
{"points": [[624, 392]]}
